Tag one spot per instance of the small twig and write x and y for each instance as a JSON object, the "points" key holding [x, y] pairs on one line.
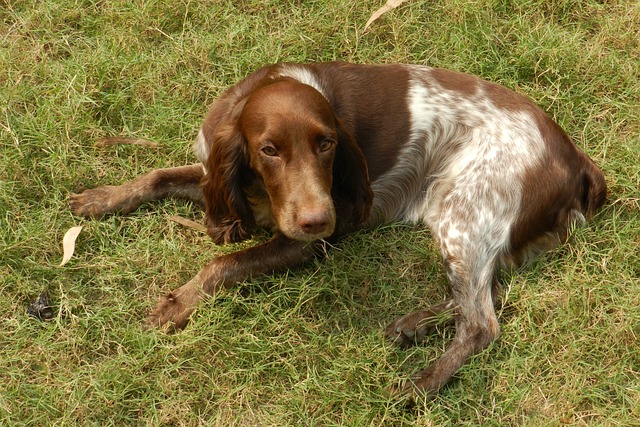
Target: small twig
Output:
{"points": [[114, 140], [188, 223]]}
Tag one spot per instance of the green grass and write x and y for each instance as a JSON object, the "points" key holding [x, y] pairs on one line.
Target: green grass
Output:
{"points": [[302, 348]]}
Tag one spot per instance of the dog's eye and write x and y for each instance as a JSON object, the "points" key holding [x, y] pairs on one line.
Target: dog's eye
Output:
{"points": [[270, 151], [326, 144]]}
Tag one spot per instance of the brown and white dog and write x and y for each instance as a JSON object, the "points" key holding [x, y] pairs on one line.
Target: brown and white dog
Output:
{"points": [[319, 150]]}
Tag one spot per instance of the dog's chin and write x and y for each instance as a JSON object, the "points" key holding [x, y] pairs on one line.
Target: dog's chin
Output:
{"points": [[302, 236]]}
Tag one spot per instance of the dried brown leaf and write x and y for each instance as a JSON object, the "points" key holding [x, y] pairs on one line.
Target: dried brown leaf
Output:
{"points": [[188, 223], [69, 243], [115, 140], [389, 5]]}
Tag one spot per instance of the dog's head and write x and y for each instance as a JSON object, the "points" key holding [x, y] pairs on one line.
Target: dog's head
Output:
{"points": [[283, 147]]}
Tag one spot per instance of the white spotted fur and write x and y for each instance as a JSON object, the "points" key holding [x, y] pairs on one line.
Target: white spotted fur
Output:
{"points": [[459, 160]]}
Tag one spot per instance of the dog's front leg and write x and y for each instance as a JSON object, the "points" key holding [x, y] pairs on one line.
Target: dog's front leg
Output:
{"points": [[181, 182], [277, 254]]}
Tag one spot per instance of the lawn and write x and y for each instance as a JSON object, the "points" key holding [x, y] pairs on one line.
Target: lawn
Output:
{"points": [[304, 348]]}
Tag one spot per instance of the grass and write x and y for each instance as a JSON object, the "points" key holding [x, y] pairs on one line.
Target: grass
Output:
{"points": [[305, 347]]}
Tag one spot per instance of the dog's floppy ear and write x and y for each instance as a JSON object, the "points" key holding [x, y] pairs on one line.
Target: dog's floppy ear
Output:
{"points": [[229, 216], [351, 187]]}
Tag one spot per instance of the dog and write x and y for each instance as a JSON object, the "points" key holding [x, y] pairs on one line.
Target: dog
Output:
{"points": [[316, 151]]}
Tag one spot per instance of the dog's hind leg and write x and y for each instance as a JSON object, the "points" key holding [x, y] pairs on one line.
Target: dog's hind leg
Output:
{"points": [[472, 242], [475, 321], [181, 182]]}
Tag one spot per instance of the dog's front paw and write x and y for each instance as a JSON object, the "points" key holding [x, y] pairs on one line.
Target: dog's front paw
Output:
{"points": [[93, 203], [170, 314]]}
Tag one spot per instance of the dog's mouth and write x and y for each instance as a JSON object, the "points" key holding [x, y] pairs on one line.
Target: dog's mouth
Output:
{"points": [[309, 224]]}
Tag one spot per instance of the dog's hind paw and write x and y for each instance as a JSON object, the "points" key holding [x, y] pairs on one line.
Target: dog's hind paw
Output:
{"points": [[414, 327]]}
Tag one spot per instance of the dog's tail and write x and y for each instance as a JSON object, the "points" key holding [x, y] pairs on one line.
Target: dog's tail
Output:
{"points": [[594, 188]]}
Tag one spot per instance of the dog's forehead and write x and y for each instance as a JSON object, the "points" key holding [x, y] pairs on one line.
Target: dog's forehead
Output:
{"points": [[286, 105], [287, 94]]}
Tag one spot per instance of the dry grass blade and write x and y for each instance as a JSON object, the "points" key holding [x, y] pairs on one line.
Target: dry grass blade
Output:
{"points": [[188, 223], [115, 140], [389, 5], [69, 243]]}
